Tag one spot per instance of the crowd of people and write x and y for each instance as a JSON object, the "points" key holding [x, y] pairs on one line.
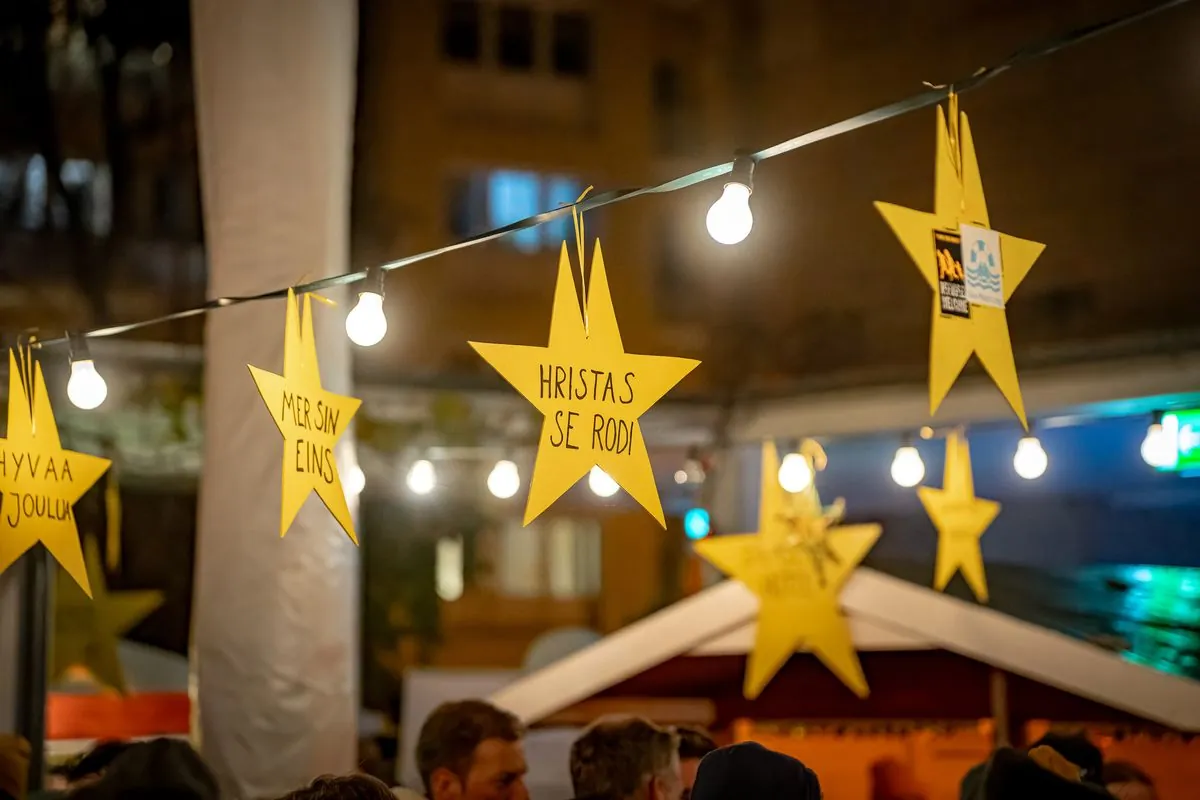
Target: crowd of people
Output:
{"points": [[471, 750]]}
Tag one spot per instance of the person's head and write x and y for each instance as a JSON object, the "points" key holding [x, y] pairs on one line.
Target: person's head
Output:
{"points": [[750, 770], [1127, 782], [694, 744], [1076, 748], [626, 758], [1040, 774], [471, 750], [94, 763], [343, 787], [14, 766], [163, 769]]}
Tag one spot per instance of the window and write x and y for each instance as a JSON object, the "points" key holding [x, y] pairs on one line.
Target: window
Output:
{"points": [[461, 31], [449, 568], [493, 199], [667, 92], [572, 46], [557, 558], [516, 37]]}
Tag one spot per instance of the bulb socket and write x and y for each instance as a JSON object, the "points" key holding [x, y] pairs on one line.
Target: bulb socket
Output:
{"points": [[77, 348], [743, 171]]}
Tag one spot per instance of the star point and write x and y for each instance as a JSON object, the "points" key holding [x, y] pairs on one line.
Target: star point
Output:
{"points": [[591, 392], [796, 564], [960, 201], [311, 420]]}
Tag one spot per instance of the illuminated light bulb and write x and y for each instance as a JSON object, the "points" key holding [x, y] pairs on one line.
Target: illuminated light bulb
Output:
{"points": [[366, 324], [422, 477], [1160, 448], [601, 484], [696, 523], [1030, 461], [681, 476], [504, 480], [355, 481], [86, 388], [730, 220], [907, 467], [795, 473]]}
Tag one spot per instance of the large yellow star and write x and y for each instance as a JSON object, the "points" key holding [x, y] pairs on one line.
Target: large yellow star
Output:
{"points": [[311, 420], [591, 392], [960, 518], [39, 481], [796, 564], [960, 201], [86, 632]]}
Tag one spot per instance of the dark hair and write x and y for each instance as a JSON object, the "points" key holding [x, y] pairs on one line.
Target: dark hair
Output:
{"points": [[1079, 750], [343, 787], [452, 732], [163, 769], [615, 756], [95, 761], [694, 742], [1125, 772]]}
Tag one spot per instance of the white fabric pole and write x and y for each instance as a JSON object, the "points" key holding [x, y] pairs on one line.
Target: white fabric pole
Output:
{"points": [[275, 629]]}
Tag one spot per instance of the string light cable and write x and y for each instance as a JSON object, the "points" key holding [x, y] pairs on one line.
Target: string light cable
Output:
{"points": [[738, 205]]}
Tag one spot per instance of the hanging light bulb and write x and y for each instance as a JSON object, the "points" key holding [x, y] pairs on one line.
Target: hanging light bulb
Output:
{"points": [[422, 477], [86, 388], [366, 324], [355, 481], [601, 484], [1160, 448], [795, 473], [907, 467], [1030, 461], [504, 480], [729, 219]]}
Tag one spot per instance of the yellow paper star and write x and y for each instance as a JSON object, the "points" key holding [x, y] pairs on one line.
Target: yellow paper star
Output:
{"points": [[39, 481], [960, 201], [796, 564], [311, 420], [960, 518], [591, 392], [86, 632]]}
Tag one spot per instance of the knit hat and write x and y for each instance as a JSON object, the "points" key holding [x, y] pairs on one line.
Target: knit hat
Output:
{"points": [[14, 765], [1076, 748], [1013, 775], [749, 770]]}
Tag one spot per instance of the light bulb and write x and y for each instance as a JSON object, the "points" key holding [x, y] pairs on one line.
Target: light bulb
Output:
{"points": [[355, 481], [681, 477], [795, 474], [504, 480], [366, 323], [696, 523], [601, 484], [86, 388], [907, 467], [1031, 460], [729, 219], [1159, 448], [422, 477]]}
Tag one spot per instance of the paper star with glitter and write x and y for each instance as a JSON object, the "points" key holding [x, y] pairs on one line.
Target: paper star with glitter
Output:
{"points": [[311, 420], [87, 632], [960, 212], [961, 519], [796, 564], [40, 482], [591, 393]]}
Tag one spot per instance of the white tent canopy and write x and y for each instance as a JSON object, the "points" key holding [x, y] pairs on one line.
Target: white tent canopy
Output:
{"points": [[884, 613]]}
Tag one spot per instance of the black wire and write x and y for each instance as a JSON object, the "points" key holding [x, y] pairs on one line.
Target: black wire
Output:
{"points": [[930, 97]]}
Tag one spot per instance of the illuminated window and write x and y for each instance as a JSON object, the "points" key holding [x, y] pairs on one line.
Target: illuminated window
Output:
{"points": [[493, 199], [449, 568], [557, 558]]}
